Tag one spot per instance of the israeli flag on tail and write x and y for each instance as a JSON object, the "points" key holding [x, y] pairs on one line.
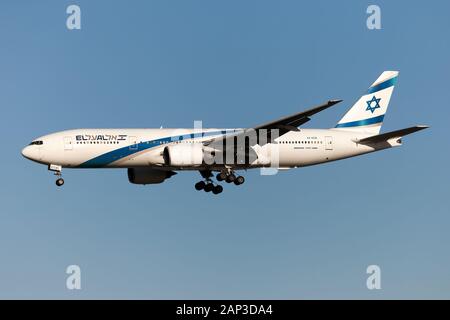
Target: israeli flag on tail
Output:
{"points": [[367, 114]]}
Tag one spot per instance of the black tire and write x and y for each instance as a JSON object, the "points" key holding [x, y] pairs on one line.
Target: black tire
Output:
{"points": [[221, 176], [239, 180], [200, 185], [217, 189], [231, 178], [209, 187], [59, 182]]}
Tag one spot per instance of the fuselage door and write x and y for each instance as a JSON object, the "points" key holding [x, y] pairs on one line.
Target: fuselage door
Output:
{"points": [[328, 143], [133, 142], [68, 143]]}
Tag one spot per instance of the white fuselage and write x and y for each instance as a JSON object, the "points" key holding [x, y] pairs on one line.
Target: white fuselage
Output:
{"points": [[130, 148]]}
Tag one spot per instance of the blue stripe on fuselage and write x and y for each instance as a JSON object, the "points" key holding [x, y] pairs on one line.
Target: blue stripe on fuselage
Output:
{"points": [[117, 154]]}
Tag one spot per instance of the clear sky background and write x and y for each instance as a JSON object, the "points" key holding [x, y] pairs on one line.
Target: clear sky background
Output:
{"points": [[305, 233]]}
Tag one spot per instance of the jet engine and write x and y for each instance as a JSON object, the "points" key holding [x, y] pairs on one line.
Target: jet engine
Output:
{"points": [[148, 175], [184, 155]]}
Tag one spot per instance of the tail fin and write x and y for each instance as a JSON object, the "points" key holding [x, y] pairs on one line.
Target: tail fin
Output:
{"points": [[367, 114]]}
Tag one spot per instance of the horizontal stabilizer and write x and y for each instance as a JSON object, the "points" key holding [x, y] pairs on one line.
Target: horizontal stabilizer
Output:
{"points": [[390, 135]]}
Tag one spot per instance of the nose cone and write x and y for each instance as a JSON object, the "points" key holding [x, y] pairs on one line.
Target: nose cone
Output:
{"points": [[30, 152]]}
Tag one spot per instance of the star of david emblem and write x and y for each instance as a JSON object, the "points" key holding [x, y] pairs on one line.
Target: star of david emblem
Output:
{"points": [[376, 106]]}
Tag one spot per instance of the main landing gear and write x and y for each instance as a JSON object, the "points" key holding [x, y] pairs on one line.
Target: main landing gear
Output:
{"points": [[57, 172], [230, 177], [208, 186]]}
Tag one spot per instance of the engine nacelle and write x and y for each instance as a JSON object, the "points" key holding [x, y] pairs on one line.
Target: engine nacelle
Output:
{"points": [[184, 155], [148, 175]]}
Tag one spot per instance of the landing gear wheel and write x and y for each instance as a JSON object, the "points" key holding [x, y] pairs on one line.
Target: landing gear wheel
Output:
{"points": [[217, 189], [59, 182], [239, 180], [221, 176], [230, 178], [209, 187], [200, 185]]}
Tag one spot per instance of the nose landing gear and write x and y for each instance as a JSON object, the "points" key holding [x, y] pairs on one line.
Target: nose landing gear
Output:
{"points": [[57, 172], [59, 182]]}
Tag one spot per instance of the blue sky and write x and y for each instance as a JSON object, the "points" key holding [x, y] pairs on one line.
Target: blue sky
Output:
{"points": [[306, 233]]}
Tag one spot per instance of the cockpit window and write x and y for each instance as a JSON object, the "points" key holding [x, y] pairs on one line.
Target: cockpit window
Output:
{"points": [[37, 142]]}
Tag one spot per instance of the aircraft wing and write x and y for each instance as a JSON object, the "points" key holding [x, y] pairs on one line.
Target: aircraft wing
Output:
{"points": [[290, 123], [226, 143], [284, 125]]}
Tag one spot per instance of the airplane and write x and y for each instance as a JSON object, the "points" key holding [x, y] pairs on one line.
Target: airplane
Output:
{"points": [[153, 155]]}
